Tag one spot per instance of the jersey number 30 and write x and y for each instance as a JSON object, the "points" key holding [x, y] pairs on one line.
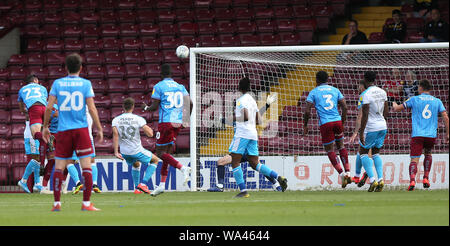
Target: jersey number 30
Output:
{"points": [[72, 101], [175, 99]]}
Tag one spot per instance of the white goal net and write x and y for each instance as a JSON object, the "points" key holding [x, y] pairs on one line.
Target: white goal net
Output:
{"points": [[289, 72]]}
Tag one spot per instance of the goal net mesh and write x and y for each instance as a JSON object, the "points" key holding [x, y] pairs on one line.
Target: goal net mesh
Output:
{"points": [[291, 75]]}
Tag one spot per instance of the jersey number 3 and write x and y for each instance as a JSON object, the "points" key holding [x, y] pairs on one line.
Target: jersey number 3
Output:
{"points": [[328, 100]]}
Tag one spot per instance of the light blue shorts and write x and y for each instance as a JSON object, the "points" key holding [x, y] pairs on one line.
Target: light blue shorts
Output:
{"points": [[75, 157], [374, 139], [31, 146], [244, 146], [144, 157]]}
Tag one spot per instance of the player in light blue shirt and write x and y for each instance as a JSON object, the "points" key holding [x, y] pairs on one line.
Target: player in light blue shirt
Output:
{"points": [[171, 99], [425, 110], [326, 99], [73, 94]]}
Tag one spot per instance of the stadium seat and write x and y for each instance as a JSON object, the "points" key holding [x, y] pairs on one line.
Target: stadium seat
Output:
{"points": [[286, 26], [89, 17], [72, 31], [95, 71], [376, 38], [117, 85], [15, 85], [415, 24], [150, 43], [188, 28], [170, 42], [104, 114], [169, 56], [302, 12], [291, 113], [153, 70], [264, 13], [146, 15], [290, 39], [90, 30], [111, 44], [209, 41], [307, 25], [115, 71], [126, 4], [5, 163], [107, 130], [226, 27], [184, 15], [129, 29], [73, 45], [17, 60], [148, 143], [104, 147], [246, 27], [94, 58], [151, 56], [182, 144], [229, 40], [5, 116], [134, 71], [17, 130], [53, 45], [414, 37], [270, 40], [52, 31], [17, 116], [265, 26], [17, 73], [249, 40], [18, 145], [102, 101], [132, 57], [107, 17], [13, 101], [116, 111], [151, 82], [127, 16], [5, 131], [5, 102], [132, 44]]}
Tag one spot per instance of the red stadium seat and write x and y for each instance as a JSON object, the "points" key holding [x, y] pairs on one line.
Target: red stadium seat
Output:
{"points": [[18, 145], [117, 85], [152, 56], [115, 71], [13, 101], [90, 30], [107, 16], [264, 13], [146, 16], [415, 24], [209, 41], [35, 45], [110, 30], [4, 87], [149, 143], [166, 16], [204, 15], [17, 116], [170, 56], [207, 27], [309, 25], [104, 114], [265, 26], [376, 37], [5, 131], [151, 82], [89, 17], [132, 57], [283, 12], [270, 40], [94, 57], [17, 60], [5, 116], [139, 98], [73, 45], [52, 18], [150, 43], [148, 29], [52, 31], [55, 58], [102, 101], [188, 28], [4, 73], [303, 12], [16, 85], [116, 111], [18, 73], [170, 42], [226, 27], [134, 70], [286, 26], [290, 39], [228, 40], [5, 102], [104, 146], [127, 16], [129, 29], [246, 27], [136, 85], [132, 44], [184, 15], [72, 31], [17, 130], [182, 144], [95, 71], [224, 14], [112, 44], [113, 57], [249, 40], [53, 45]]}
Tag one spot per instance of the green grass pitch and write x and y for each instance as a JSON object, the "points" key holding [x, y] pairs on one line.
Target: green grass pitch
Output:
{"points": [[267, 208]]}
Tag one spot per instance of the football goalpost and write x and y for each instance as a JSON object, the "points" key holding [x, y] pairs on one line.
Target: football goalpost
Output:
{"points": [[289, 73]]}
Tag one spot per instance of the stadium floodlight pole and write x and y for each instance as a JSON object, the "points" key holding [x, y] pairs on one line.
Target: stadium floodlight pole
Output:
{"points": [[280, 56]]}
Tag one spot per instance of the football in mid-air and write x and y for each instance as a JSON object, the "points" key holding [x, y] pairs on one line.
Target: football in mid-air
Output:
{"points": [[182, 51]]}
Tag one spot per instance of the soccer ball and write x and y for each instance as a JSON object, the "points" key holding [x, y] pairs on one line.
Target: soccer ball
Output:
{"points": [[182, 51]]}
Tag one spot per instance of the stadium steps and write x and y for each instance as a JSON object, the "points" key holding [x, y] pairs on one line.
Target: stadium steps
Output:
{"points": [[289, 90], [371, 19]]}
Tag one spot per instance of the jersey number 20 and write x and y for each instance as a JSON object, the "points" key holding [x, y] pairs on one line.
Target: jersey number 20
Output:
{"points": [[72, 101]]}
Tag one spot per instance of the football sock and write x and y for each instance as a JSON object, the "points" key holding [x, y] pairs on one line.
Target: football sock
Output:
{"points": [[164, 171], [171, 161], [48, 171], [220, 174], [73, 173], [30, 168], [94, 173], [135, 174], [358, 165], [87, 188], [65, 173], [149, 172], [427, 165], [343, 154], [239, 177], [57, 181], [367, 163], [334, 161], [378, 165], [37, 176], [412, 171], [266, 171]]}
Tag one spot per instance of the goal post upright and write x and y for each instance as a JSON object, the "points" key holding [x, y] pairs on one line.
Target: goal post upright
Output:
{"points": [[193, 120]]}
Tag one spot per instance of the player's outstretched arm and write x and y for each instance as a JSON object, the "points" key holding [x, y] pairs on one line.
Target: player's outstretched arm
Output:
{"points": [[148, 131], [22, 108], [357, 126], [343, 104], [47, 114], [94, 114], [306, 117], [116, 143], [386, 110], [396, 107], [270, 99], [153, 107], [446, 123]]}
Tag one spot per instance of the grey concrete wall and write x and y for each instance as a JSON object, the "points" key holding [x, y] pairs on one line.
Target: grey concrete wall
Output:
{"points": [[9, 45]]}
